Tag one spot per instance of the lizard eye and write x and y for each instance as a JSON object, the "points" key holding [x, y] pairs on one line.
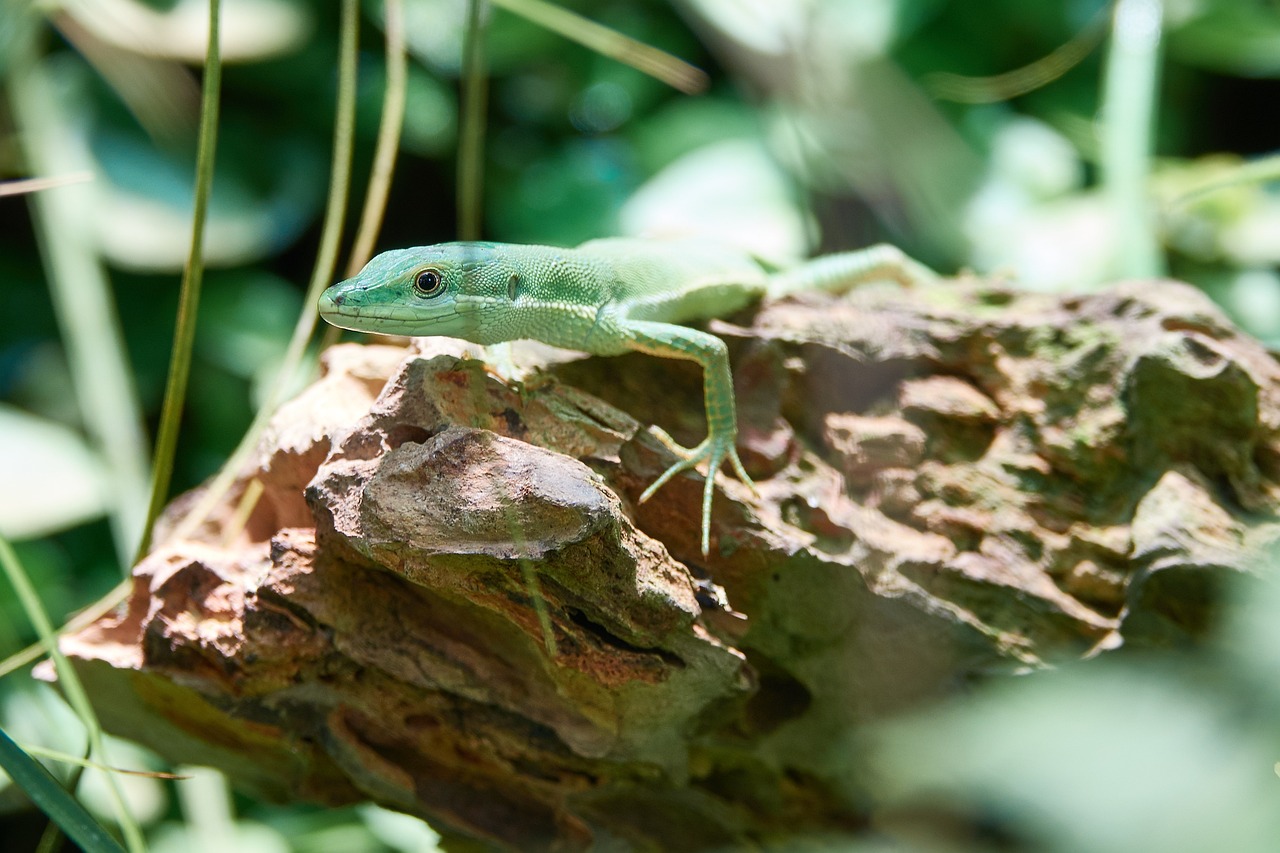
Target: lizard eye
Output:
{"points": [[429, 283]]}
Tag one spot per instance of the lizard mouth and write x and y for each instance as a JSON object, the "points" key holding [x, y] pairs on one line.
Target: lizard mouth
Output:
{"points": [[388, 319]]}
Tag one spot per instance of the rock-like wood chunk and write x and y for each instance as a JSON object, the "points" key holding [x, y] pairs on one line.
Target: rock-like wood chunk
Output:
{"points": [[447, 599]]}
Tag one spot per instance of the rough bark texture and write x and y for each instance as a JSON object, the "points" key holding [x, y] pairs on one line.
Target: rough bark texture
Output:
{"points": [[447, 600]]}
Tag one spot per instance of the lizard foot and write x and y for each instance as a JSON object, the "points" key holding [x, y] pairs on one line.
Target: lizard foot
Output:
{"points": [[714, 450]]}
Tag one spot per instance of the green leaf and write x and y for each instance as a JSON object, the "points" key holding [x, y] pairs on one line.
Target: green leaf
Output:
{"points": [[53, 480], [46, 793]]}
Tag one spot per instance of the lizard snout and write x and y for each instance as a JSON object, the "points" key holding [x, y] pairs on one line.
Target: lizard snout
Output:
{"points": [[330, 300]]}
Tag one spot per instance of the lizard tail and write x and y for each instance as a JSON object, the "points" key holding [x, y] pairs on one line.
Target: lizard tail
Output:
{"points": [[845, 270]]}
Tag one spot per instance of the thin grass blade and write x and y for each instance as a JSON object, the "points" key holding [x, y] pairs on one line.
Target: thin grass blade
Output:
{"points": [[388, 144], [475, 100], [1019, 81], [659, 64], [184, 332], [322, 274], [35, 185], [1128, 121]]}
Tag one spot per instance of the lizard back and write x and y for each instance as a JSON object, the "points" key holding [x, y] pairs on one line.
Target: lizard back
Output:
{"points": [[672, 281]]}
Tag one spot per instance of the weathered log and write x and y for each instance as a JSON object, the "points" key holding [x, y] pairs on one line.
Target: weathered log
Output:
{"points": [[447, 600]]}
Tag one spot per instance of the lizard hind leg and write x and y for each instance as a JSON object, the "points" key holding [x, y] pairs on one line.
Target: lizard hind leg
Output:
{"points": [[843, 271]]}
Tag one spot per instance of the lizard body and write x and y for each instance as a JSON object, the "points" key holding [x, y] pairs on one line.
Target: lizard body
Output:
{"points": [[605, 297]]}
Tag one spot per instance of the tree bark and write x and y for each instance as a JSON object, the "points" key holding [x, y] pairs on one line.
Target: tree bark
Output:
{"points": [[447, 600]]}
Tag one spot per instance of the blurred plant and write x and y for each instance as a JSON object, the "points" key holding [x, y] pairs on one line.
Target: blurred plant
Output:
{"points": [[1174, 751], [52, 797]]}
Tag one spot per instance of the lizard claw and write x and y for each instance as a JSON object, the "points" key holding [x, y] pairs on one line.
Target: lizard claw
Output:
{"points": [[714, 450]]}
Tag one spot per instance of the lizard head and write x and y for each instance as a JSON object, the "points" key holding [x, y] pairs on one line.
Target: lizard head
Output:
{"points": [[447, 289]]}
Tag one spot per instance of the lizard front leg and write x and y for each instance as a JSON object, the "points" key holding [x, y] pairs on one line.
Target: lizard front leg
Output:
{"points": [[671, 341]]}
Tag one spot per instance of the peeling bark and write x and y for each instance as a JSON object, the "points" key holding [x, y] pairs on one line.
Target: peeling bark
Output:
{"points": [[954, 480]]}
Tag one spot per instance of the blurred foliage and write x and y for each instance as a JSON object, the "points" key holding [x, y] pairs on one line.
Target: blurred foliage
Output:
{"points": [[827, 124], [1170, 752]]}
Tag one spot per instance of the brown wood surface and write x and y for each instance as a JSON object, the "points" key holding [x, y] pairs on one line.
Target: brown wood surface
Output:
{"points": [[955, 482]]}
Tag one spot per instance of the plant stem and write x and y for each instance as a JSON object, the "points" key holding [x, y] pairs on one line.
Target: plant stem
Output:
{"points": [[175, 393]]}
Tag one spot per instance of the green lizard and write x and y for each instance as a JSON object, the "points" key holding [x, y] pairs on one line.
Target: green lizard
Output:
{"points": [[605, 297]]}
